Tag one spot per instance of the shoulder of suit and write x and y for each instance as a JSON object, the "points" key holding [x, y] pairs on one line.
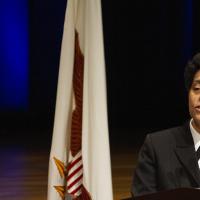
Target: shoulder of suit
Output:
{"points": [[165, 136]]}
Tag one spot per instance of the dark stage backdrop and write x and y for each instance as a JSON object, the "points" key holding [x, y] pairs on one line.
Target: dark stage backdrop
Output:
{"points": [[147, 44]]}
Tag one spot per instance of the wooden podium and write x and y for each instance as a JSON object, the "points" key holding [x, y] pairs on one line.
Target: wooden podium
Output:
{"points": [[175, 194]]}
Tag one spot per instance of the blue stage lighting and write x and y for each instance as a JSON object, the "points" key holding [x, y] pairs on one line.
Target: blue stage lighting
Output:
{"points": [[14, 54]]}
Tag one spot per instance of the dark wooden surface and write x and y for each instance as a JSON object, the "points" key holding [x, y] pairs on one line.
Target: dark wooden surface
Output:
{"points": [[173, 194], [23, 172]]}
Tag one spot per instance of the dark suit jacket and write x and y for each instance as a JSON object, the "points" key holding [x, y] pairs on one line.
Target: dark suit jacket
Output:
{"points": [[167, 160]]}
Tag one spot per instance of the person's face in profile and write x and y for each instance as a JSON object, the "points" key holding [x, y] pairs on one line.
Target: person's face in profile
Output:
{"points": [[194, 101]]}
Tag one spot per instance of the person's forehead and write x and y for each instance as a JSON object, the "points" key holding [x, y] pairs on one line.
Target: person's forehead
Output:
{"points": [[197, 77]]}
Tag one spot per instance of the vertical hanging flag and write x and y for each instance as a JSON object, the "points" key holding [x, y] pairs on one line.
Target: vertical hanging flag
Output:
{"points": [[79, 166]]}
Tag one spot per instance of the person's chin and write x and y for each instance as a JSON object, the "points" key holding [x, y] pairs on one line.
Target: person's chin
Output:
{"points": [[196, 119]]}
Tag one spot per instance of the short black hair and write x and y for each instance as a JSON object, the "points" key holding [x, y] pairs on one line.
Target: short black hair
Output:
{"points": [[190, 70]]}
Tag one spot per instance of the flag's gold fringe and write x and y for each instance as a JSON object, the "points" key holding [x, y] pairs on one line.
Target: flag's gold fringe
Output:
{"points": [[61, 167], [61, 191]]}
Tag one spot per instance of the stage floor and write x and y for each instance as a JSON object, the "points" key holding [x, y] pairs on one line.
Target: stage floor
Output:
{"points": [[23, 172]]}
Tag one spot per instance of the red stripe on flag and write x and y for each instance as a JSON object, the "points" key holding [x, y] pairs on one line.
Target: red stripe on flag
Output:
{"points": [[76, 190], [73, 163], [75, 171], [74, 182]]}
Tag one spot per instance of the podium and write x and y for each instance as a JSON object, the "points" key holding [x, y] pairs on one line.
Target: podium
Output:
{"points": [[175, 194]]}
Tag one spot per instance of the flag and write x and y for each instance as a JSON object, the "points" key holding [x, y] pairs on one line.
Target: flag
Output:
{"points": [[79, 164]]}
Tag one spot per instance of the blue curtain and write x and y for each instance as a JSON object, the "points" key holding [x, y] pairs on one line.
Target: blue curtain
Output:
{"points": [[14, 53]]}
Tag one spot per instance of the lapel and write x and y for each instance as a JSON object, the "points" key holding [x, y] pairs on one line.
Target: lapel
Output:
{"points": [[185, 151]]}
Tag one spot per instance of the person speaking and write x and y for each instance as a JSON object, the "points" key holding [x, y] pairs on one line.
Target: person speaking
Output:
{"points": [[170, 158]]}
